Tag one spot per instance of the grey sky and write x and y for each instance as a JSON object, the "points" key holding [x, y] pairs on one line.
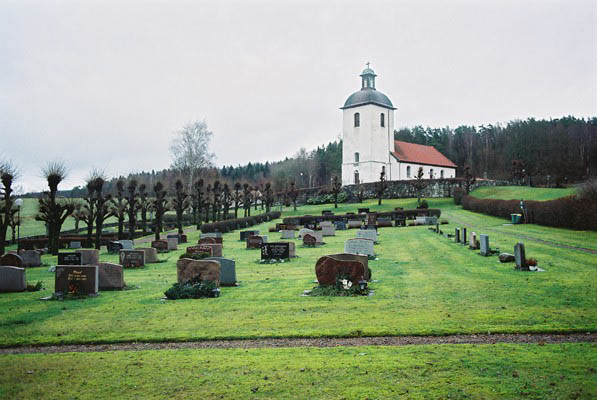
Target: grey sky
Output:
{"points": [[105, 84]]}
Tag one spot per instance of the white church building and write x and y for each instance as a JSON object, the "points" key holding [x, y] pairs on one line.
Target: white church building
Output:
{"points": [[368, 145]]}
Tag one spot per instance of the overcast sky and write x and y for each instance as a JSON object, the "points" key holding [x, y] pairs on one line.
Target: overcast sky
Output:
{"points": [[106, 84]]}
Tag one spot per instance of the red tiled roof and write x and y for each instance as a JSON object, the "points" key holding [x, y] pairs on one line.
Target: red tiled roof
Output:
{"points": [[420, 154]]}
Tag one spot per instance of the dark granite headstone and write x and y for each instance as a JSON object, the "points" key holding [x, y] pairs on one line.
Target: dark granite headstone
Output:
{"points": [[463, 236], [484, 239], [76, 279], [12, 279], [275, 251], [132, 258], [69, 258], [160, 245], [457, 235], [244, 235], [254, 242], [520, 257], [114, 246], [12, 260]]}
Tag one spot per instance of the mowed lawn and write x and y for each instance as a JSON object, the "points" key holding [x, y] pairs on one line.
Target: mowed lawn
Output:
{"points": [[423, 284], [500, 371], [521, 192]]}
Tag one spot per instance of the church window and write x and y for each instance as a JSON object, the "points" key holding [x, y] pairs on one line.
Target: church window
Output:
{"points": [[431, 173], [356, 157], [441, 174], [356, 177], [357, 119], [383, 169], [408, 171], [382, 117]]}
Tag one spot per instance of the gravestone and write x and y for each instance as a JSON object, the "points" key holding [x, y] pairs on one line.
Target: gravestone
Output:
{"points": [[227, 270], [384, 222], [520, 257], [327, 228], [69, 258], [425, 220], [132, 258], [126, 244], [473, 241], [359, 246], [31, 258], [111, 276], [216, 249], [304, 231], [151, 254], [202, 249], [457, 235], [275, 251], [506, 257], [367, 234], [354, 223], [340, 225], [255, 241], [12, 260], [485, 251], [288, 234], [12, 279], [363, 210], [463, 236], [309, 240], [89, 256], [114, 246], [329, 267], [79, 279], [292, 249], [371, 219], [187, 269], [214, 235], [74, 245], [160, 245], [207, 240], [172, 243], [244, 235]]}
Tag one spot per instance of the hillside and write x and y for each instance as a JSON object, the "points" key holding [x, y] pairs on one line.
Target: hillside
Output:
{"points": [[521, 192]]}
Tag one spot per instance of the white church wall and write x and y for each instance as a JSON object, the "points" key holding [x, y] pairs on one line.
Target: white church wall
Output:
{"points": [[414, 169]]}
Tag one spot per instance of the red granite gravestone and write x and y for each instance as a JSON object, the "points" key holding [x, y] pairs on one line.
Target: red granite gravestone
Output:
{"points": [[201, 249], [309, 240], [254, 242], [187, 269], [207, 240], [160, 245], [12, 260], [328, 268]]}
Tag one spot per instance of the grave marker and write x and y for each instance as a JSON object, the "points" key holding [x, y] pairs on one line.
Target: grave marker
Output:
{"points": [[473, 241], [288, 234], [12, 279], [367, 234], [227, 270], [463, 238], [74, 245], [309, 240], [89, 256], [111, 276], [484, 245], [457, 235], [126, 244], [275, 251], [69, 258], [114, 246], [160, 245], [359, 246], [201, 249], [255, 241], [188, 269], [11, 260], [329, 267], [80, 279], [132, 258], [173, 243], [244, 235], [31, 258], [520, 257]]}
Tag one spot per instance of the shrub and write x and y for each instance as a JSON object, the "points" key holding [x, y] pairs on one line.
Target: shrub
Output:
{"points": [[193, 289], [457, 195], [342, 287], [195, 256]]}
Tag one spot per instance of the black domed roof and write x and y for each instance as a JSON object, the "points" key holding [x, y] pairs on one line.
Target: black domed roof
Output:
{"points": [[368, 96]]}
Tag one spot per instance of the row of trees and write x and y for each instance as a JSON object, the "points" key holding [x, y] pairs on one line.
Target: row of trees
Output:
{"points": [[550, 152]]}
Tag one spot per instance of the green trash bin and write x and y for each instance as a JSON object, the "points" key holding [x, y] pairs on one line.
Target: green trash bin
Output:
{"points": [[516, 218]]}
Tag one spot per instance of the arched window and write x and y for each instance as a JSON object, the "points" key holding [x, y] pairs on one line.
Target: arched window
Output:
{"points": [[441, 173], [356, 157], [382, 119], [431, 173], [356, 177], [408, 171], [357, 119], [383, 169]]}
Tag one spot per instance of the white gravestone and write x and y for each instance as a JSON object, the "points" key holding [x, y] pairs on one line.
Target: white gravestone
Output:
{"points": [[288, 234], [359, 246], [370, 234]]}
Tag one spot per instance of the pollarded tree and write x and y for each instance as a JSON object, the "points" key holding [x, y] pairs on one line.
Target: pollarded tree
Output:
{"points": [[54, 211], [159, 206], [198, 200], [190, 150], [381, 186], [469, 179], [216, 190], [103, 207], [269, 196], [237, 199], [143, 206], [89, 208], [247, 199], [336, 187], [180, 203], [419, 184], [226, 200], [7, 176], [119, 207], [293, 194], [14, 222], [133, 206]]}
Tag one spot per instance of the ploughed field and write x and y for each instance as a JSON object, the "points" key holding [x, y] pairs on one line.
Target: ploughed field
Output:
{"points": [[424, 284]]}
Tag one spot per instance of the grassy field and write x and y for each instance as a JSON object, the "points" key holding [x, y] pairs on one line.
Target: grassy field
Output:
{"points": [[521, 192], [427, 284], [552, 371]]}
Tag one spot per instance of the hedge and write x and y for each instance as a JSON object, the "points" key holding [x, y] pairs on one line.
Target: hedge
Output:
{"points": [[238, 223], [569, 212], [397, 214]]}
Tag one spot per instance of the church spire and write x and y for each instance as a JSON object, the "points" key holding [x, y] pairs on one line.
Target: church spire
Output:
{"points": [[368, 78]]}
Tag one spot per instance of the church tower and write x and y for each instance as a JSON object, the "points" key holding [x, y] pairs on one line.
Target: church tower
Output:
{"points": [[367, 133]]}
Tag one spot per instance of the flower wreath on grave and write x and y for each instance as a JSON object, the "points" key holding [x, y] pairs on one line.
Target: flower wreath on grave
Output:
{"points": [[193, 289], [343, 287], [195, 256]]}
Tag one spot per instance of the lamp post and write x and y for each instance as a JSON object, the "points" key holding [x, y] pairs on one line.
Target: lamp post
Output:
{"points": [[19, 204]]}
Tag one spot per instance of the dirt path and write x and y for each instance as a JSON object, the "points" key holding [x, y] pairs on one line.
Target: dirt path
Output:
{"points": [[539, 338], [526, 237]]}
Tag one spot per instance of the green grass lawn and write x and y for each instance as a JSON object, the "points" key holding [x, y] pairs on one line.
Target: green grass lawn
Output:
{"points": [[552, 371], [521, 192], [426, 284]]}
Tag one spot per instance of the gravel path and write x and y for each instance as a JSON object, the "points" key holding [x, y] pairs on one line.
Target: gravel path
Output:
{"points": [[540, 338]]}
